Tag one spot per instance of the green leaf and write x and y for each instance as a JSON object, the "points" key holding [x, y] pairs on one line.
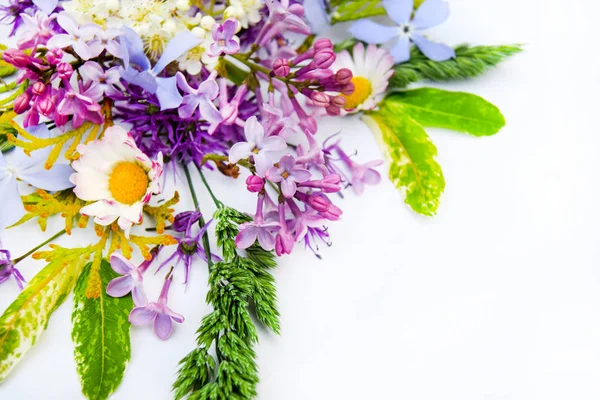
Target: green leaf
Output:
{"points": [[459, 111], [412, 156], [5, 68], [469, 62], [27, 317], [100, 332], [5, 129], [350, 10]]}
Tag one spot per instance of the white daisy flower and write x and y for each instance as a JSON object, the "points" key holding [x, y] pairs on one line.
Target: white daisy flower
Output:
{"points": [[117, 176], [371, 70]]}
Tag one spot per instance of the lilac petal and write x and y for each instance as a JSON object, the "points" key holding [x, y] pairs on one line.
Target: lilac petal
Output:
{"points": [[372, 32], [176, 317], [209, 111], [12, 207], [133, 49], [209, 88], [232, 47], [401, 50], [433, 51], [67, 23], [93, 70], [431, 13], [59, 41], [163, 326], [287, 162], [246, 237], [139, 297], [300, 174], [183, 84], [273, 143], [371, 177], [54, 179], [188, 106], [142, 315], [144, 79], [229, 28], [399, 10], [167, 93], [262, 162], [115, 48], [288, 187], [46, 6], [120, 264], [176, 47], [274, 174], [358, 186], [95, 48], [266, 239], [253, 130], [239, 151], [120, 286], [82, 49]]}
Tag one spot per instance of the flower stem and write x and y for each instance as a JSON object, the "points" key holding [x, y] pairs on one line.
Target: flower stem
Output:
{"points": [[36, 248], [201, 222], [217, 202]]}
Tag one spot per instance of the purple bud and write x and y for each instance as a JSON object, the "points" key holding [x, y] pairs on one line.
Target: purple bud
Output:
{"points": [[185, 219], [333, 213], [65, 70], [324, 59], [331, 183], [38, 88], [46, 105], [17, 58], [348, 89], [281, 67], [309, 124], [333, 111], [319, 203], [320, 99], [322, 44], [54, 56], [338, 101], [22, 103], [254, 183], [297, 10], [343, 76], [284, 244]]}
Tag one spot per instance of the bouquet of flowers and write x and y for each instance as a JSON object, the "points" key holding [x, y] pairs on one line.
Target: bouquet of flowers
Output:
{"points": [[112, 99]]}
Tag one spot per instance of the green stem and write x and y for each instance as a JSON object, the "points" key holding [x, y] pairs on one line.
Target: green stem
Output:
{"points": [[36, 248], [217, 202], [201, 222]]}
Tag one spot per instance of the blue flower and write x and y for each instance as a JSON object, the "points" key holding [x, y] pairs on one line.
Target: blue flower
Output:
{"points": [[146, 77], [17, 165], [431, 13]]}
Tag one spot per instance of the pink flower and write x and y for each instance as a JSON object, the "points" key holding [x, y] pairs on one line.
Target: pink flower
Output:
{"points": [[76, 36], [104, 79], [288, 174], [36, 30], [157, 313], [225, 41], [82, 106], [257, 229], [257, 146], [130, 282]]}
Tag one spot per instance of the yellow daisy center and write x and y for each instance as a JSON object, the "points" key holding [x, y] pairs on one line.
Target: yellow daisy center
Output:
{"points": [[362, 91], [128, 182]]}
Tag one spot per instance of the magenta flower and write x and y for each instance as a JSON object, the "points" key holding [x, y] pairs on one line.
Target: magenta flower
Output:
{"points": [[202, 99], [131, 281], [76, 36], [157, 313], [288, 174], [225, 41], [281, 120], [257, 146], [103, 79], [36, 30], [282, 17], [257, 229], [82, 106], [106, 40]]}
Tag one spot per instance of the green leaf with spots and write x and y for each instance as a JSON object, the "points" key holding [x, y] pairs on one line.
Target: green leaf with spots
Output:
{"points": [[351, 10], [100, 332], [412, 157], [27, 317], [459, 111]]}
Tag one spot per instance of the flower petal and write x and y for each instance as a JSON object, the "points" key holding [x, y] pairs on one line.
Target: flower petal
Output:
{"points": [[246, 237], [142, 315], [431, 13], [399, 10], [54, 179], [12, 207], [262, 162], [176, 47], [401, 50], [266, 239], [139, 297], [46, 6], [372, 32], [120, 286], [239, 151], [163, 326], [433, 51], [273, 143], [167, 93], [288, 187], [253, 130], [176, 317], [120, 264]]}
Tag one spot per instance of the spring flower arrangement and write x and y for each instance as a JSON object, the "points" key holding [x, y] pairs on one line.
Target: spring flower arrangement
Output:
{"points": [[106, 101]]}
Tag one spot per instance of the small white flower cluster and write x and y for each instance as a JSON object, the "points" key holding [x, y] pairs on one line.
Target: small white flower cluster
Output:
{"points": [[158, 21]]}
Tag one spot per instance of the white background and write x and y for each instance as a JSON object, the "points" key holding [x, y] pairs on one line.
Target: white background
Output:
{"points": [[497, 297]]}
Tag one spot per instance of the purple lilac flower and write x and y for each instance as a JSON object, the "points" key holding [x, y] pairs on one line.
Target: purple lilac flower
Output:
{"points": [[36, 30], [431, 13], [288, 174], [145, 76], [105, 80], [157, 313], [257, 146], [75, 36], [132, 279], [283, 16], [225, 40], [202, 99], [106, 40], [30, 169], [257, 229], [281, 119], [82, 106], [8, 269], [361, 174]]}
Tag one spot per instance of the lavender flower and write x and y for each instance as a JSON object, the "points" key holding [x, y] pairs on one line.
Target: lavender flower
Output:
{"points": [[283, 16], [75, 36], [225, 41], [431, 13], [82, 106], [157, 313], [201, 99], [257, 229], [106, 40], [132, 279], [36, 30], [288, 174], [257, 146], [8, 269], [105, 80]]}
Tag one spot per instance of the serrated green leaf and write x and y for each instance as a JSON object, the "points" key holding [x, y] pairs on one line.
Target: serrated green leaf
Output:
{"points": [[459, 111], [468, 63], [27, 317], [100, 332], [412, 157]]}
